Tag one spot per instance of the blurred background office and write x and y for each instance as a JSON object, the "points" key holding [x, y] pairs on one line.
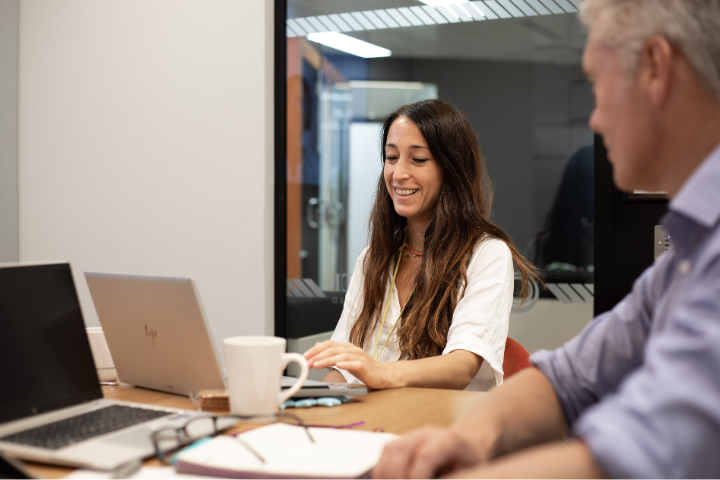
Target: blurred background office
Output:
{"points": [[513, 67], [238, 143]]}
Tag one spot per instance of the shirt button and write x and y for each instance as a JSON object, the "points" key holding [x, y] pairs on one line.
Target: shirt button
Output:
{"points": [[684, 266]]}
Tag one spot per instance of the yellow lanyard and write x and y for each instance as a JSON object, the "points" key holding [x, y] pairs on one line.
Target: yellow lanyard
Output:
{"points": [[387, 304]]}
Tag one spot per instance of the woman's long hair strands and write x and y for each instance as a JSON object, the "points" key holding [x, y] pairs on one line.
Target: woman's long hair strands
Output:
{"points": [[461, 220]]}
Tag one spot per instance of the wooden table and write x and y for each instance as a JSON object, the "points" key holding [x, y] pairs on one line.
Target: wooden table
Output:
{"points": [[396, 411]]}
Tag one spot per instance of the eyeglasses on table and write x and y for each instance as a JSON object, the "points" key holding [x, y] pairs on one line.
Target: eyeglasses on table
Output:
{"points": [[170, 440]]}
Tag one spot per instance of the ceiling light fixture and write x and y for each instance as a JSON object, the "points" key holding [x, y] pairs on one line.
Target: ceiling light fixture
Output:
{"points": [[433, 12], [461, 4], [385, 85], [477, 9], [348, 44], [443, 3]]}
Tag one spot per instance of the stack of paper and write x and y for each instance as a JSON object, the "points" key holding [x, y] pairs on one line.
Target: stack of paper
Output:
{"points": [[285, 451]]}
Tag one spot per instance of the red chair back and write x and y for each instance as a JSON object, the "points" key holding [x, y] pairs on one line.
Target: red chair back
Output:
{"points": [[516, 358]]}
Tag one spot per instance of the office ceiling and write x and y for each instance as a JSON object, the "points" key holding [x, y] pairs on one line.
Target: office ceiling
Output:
{"points": [[306, 8], [554, 39]]}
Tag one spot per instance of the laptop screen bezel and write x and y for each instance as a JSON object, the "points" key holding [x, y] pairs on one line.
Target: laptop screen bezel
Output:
{"points": [[92, 393]]}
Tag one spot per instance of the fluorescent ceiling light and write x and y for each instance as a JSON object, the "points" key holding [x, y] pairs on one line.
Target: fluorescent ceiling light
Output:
{"points": [[385, 85], [460, 6], [434, 11], [443, 3], [348, 44], [482, 14]]}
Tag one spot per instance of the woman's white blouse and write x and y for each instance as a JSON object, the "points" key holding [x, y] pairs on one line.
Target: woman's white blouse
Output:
{"points": [[479, 323]]}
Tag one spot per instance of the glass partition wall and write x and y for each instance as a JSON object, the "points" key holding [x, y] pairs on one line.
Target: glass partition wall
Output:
{"points": [[513, 67]]}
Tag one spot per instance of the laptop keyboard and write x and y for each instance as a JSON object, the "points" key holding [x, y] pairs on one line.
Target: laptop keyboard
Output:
{"points": [[81, 427]]}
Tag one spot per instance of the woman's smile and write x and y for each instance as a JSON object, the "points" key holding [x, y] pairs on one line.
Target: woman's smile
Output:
{"points": [[405, 192]]}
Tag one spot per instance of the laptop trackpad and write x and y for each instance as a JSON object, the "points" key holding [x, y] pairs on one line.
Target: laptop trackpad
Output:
{"points": [[111, 452], [136, 438]]}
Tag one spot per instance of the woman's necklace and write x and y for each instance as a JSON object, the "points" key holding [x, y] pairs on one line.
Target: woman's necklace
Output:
{"points": [[387, 303], [412, 253]]}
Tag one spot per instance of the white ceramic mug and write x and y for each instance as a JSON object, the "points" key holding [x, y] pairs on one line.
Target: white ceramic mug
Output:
{"points": [[254, 369], [101, 354]]}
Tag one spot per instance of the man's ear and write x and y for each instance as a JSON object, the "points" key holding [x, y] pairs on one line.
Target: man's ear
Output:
{"points": [[655, 69]]}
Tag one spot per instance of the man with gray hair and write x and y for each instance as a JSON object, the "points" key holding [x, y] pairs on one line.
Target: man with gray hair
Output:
{"points": [[638, 391]]}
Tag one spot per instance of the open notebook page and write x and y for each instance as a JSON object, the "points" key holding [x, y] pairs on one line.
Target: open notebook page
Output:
{"points": [[288, 452]]}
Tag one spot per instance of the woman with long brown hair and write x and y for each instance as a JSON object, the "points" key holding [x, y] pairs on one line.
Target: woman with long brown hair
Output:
{"points": [[434, 287]]}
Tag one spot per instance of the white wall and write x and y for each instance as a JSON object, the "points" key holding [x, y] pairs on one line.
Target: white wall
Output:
{"points": [[145, 146]]}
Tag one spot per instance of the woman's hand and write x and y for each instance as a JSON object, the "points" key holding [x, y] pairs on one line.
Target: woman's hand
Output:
{"points": [[374, 374]]}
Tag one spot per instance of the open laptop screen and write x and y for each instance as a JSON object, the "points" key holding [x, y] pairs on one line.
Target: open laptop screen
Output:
{"points": [[45, 358]]}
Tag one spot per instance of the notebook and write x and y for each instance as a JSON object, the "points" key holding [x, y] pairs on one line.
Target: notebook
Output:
{"points": [[287, 453]]}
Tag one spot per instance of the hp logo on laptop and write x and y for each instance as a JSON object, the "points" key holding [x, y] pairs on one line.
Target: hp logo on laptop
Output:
{"points": [[150, 332]]}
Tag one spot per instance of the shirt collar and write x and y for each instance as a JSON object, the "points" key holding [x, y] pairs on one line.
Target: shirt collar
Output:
{"points": [[699, 198]]}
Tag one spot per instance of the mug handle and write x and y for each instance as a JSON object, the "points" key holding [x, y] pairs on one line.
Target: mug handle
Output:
{"points": [[287, 359]]}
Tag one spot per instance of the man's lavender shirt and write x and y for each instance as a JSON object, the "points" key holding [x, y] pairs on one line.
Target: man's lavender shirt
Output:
{"points": [[641, 384]]}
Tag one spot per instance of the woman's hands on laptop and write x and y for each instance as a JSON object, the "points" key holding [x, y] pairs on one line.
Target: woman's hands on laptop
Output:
{"points": [[349, 357]]}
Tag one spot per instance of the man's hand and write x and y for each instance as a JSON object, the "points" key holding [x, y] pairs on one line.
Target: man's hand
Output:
{"points": [[374, 374], [426, 453], [522, 412]]}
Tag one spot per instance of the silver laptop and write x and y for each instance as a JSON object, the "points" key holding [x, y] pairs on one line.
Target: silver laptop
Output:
{"points": [[159, 336], [157, 331], [314, 388], [52, 408]]}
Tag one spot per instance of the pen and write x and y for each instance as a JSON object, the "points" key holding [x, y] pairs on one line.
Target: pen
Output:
{"points": [[250, 449]]}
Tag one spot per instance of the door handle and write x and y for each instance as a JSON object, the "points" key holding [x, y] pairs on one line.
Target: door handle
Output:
{"points": [[312, 210]]}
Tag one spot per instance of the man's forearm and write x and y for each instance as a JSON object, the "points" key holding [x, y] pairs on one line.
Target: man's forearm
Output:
{"points": [[522, 412], [556, 460]]}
